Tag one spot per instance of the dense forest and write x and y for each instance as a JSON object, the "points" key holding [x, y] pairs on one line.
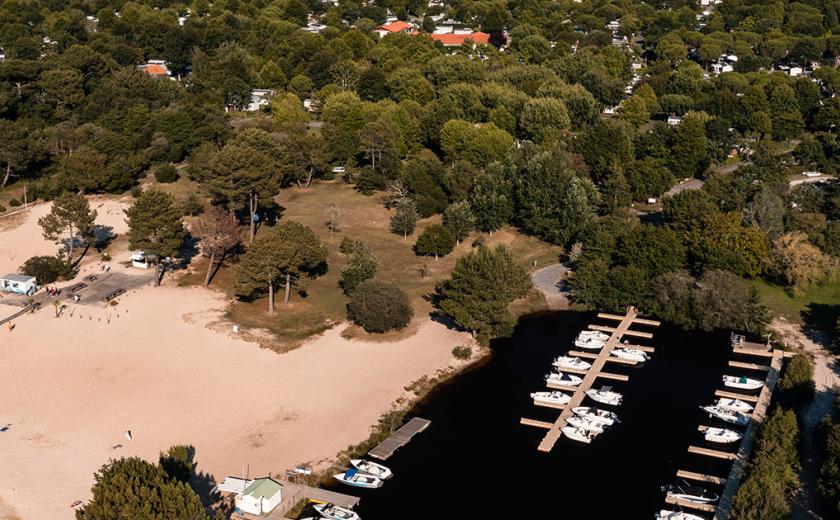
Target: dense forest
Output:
{"points": [[566, 124]]}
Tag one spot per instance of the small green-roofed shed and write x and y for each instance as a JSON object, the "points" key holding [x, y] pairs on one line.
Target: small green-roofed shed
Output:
{"points": [[263, 488], [260, 496]]}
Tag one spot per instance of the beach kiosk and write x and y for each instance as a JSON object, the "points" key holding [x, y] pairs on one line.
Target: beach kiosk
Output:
{"points": [[260, 497], [140, 260], [19, 284]]}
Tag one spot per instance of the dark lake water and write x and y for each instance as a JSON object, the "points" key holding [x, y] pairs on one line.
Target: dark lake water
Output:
{"points": [[477, 461]]}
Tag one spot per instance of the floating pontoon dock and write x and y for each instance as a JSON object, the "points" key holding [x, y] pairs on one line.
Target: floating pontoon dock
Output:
{"points": [[399, 438], [600, 359], [740, 458]]}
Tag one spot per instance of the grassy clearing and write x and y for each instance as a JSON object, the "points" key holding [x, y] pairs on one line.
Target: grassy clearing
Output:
{"points": [[818, 306], [364, 218]]}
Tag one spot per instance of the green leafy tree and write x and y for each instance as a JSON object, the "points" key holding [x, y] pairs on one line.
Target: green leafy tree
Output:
{"points": [[720, 242], [436, 240], [404, 220], [362, 265], [47, 269], [70, 220], [797, 382], [458, 217], [798, 263], [544, 119], [287, 110], [491, 200], [634, 111], [379, 307], [283, 252], [482, 286], [155, 227]]}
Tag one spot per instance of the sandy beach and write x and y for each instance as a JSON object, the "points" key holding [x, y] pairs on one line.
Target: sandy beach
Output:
{"points": [[22, 240], [72, 385]]}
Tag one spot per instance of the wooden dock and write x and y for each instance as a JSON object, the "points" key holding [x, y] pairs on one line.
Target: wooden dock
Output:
{"points": [[740, 459], [737, 472], [399, 438], [599, 360]]}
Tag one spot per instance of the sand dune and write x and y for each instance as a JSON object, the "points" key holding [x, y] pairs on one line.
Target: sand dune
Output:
{"points": [[71, 386]]}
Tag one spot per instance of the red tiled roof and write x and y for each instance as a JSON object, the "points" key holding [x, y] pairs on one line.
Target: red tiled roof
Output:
{"points": [[154, 69], [395, 27], [450, 40]]}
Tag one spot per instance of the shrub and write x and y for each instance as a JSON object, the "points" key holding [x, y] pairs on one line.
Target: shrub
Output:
{"points": [[379, 306], [191, 206], [136, 191], [47, 269], [462, 352], [797, 382], [435, 240], [2, 208], [14, 203], [346, 246], [106, 257], [166, 173]]}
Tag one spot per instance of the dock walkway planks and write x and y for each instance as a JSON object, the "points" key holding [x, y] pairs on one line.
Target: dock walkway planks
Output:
{"points": [[399, 438], [616, 333], [737, 471]]}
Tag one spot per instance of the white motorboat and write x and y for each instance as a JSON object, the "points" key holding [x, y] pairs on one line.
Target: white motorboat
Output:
{"points": [[596, 414], [552, 398], [372, 468], [631, 354], [577, 434], [742, 382], [695, 494], [605, 396], [585, 423], [354, 477], [596, 335], [589, 344], [734, 405], [561, 379], [722, 435], [574, 363], [726, 415], [666, 514], [335, 512]]}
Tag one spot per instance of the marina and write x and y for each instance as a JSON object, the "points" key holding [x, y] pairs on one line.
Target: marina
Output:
{"points": [[493, 397], [399, 438], [613, 341]]}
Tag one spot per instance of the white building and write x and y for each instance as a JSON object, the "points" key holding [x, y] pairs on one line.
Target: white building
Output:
{"points": [[260, 497], [260, 98], [674, 120], [19, 284]]}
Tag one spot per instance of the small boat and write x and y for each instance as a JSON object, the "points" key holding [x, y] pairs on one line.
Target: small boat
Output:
{"points": [[577, 434], [596, 335], [556, 397], [605, 396], [372, 468], [631, 354], [335, 512], [734, 405], [596, 414], [561, 379], [354, 477], [666, 514], [742, 383], [726, 415], [722, 435], [695, 494], [585, 423], [572, 363], [589, 344]]}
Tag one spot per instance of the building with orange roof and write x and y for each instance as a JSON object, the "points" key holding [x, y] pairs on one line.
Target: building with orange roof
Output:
{"points": [[394, 27], [458, 39], [156, 69]]}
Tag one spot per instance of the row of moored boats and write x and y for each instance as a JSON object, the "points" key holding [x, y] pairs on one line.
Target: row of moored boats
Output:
{"points": [[731, 411], [362, 474], [586, 422]]}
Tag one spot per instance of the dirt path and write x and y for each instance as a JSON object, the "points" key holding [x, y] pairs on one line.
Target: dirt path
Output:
{"points": [[807, 504]]}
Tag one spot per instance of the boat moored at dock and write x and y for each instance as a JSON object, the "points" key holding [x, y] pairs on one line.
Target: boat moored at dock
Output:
{"points": [[696, 494], [561, 379], [596, 414], [372, 468], [334, 512], [605, 396], [722, 435], [578, 434], [734, 405], [354, 477], [574, 363], [631, 354], [666, 514], [555, 398], [585, 423], [736, 418], [742, 382]]}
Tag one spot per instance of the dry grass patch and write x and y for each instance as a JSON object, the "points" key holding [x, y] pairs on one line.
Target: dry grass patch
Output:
{"points": [[323, 304]]}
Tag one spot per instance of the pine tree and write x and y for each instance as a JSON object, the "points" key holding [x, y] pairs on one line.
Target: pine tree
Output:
{"points": [[361, 265], [482, 286], [69, 219], [282, 253], [155, 226], [491, 199], [218, 232]]}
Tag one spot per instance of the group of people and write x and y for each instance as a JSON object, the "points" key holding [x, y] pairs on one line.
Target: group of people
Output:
{"points": [[53, 291]]}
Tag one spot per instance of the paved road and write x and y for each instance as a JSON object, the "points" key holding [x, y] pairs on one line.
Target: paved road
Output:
{"points": [[547, 281], [693, 184]]}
